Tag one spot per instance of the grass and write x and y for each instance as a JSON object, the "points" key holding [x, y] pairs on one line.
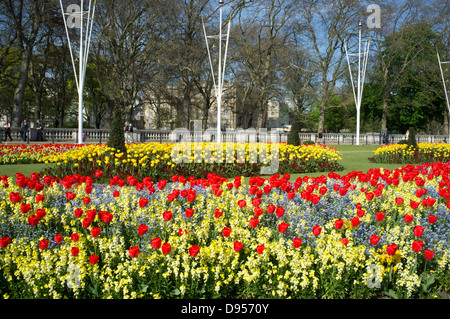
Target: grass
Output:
{"points": [[354, 158]]}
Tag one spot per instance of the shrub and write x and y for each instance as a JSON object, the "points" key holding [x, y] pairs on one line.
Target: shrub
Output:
{"points": [[117, 135], [412, 138], [293, 138]]}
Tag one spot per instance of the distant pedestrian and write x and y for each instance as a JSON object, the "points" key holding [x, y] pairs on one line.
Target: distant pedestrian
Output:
{"points": [[385, 135], [8, 131], [128, 128], [24, 131], [39, 130]]}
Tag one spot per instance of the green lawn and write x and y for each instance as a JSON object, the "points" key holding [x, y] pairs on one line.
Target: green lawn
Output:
{"points": [[354, 158]]}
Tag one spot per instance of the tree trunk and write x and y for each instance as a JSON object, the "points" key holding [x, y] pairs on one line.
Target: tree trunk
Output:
{"points": [[19, 92]]}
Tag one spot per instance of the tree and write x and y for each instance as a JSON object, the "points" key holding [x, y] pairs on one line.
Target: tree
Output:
{"points": [[26, 17], [411, 101], [127, 44], [260, 43], [337, 20]]}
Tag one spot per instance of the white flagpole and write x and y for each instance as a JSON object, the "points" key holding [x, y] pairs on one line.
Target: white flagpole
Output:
{"points": [[445, 89], [83, 52], [218, 85]]}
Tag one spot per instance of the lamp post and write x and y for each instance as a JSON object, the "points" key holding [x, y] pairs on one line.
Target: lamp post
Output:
{"points": [[218, 87], [362, 66], [78, 18]]}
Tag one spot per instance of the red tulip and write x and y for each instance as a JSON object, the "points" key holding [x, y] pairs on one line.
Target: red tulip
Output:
{"points": [[93, 259], [374, 239], [75, 237], [355, 221], [256, 202], [116, 194], [260, 249], [432, 219], [282, 227], [408, 218], [106, 217], [156, 243], [40, 198], [360, 212], [417, 245], [217, 213], [98, 173], [429, 254], [344, 241], [15, 197], [88, 189], [238, 246], [4, 242], [414, 204], [25, 208], [369, 195], [296, 242], [380, 216], [43, 244], [86, 222], [418, 230], [86, 200], [181, 232], [194, 250], [316, 230], [74, 251], [95, 231], [280, 211], [271, 208], [226, 231], [242, 203], [33, 220], [58, 238], [142, 229], [399, 201], [78, 212], [91, 214], [167, 215], [391, 249], [191, 198], [134, 251], [338, 224], [258, 211], [254, 222], [143, 202], [189, 212], [70, 195], [166, 248]]}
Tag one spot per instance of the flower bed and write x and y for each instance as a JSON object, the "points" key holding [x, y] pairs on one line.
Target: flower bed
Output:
{"points": [[404, 154], [332, 236], [161, 161], [27, 154]]}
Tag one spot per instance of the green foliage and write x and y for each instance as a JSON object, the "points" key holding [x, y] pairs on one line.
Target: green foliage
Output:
{"points": [[117, 136], [308, 143], [293, 138]]}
